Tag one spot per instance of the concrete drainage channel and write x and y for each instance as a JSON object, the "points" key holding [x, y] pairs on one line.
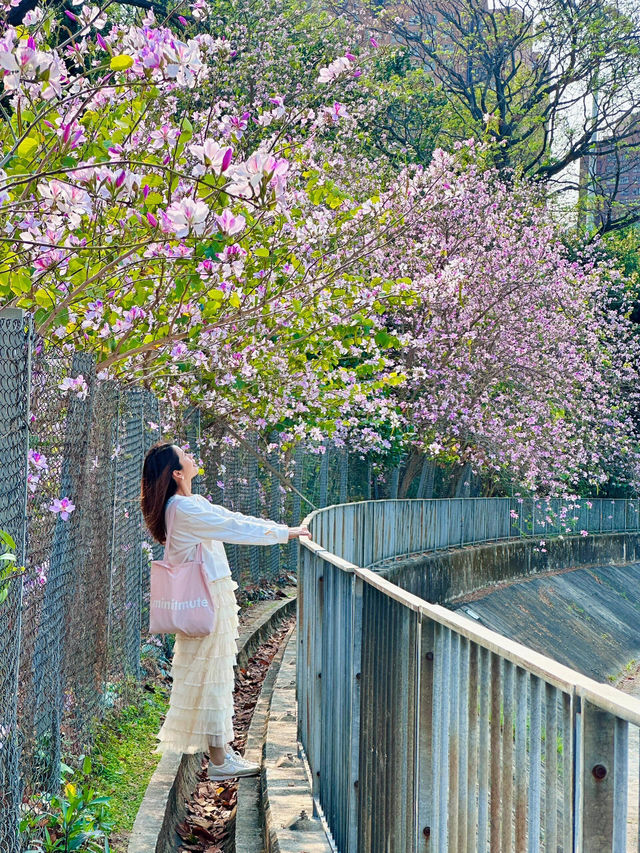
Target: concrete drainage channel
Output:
{"points": [[274, 809]]}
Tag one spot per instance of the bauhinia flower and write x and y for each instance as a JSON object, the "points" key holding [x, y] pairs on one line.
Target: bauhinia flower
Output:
{"points": [[62, 506], [91, 16], [38, 460], [187, 217], [215, 157], [77, 385], [230, 224], [334, 69]]}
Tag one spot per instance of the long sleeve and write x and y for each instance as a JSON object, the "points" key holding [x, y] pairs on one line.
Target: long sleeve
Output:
{"points": [[205, 520]]}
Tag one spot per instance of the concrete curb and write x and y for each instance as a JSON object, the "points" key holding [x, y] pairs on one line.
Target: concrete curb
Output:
{"points": [[267, 615], [249, 824], [286, 794], [163, 806]]}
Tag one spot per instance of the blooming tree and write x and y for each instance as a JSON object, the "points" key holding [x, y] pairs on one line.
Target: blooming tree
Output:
{"points": [[514, 352], [208, 232], [134, 221]]}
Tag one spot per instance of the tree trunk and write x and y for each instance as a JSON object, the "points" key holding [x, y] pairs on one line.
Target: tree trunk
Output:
{"points": [[412, 468], [427, 475], [459, 489]]}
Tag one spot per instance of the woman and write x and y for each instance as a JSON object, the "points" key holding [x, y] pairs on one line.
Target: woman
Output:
{"points": [[201, 705]]}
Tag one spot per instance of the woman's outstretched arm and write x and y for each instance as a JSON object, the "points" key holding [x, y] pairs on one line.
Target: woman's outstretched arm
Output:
{"points": [[211, 521]]}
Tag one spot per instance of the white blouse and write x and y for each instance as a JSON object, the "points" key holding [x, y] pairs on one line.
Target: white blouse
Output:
{"points": [[197, 520]]}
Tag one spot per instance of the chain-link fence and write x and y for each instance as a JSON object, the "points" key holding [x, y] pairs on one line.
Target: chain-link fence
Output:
{"points": [[71, 451]]}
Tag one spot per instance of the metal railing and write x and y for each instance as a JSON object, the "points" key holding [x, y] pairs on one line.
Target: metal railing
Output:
{"points": [[424, 731]]}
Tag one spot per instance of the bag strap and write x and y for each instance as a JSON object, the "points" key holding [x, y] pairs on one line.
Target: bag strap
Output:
{"points": [[170, 515]]}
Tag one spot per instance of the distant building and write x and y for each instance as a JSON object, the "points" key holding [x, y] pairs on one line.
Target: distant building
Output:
{"points": [[610, 180]]}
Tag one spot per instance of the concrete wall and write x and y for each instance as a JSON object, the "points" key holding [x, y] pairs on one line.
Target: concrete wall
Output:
{"points": [[444, 576], [578, 602]]}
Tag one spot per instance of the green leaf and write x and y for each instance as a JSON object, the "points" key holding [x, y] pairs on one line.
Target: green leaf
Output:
{"points": [[385, 340], [28, 147], [43, 298], [8, 539]]}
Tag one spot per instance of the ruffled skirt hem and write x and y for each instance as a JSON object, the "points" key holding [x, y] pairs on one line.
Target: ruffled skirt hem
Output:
{"points": [[200, 711]]}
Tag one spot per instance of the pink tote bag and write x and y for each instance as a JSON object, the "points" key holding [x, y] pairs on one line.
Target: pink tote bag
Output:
{"points": [[181, 600]]}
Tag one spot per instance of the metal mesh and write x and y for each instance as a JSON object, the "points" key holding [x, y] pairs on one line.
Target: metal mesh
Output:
{"points": [[14, 420], [71, 626], [242, 478], [63, 652], [86, 637], [150, 549], [59, 424], [125, 583]]}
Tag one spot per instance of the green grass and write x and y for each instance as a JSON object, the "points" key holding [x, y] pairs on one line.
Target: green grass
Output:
{"points": [[123, 757]]}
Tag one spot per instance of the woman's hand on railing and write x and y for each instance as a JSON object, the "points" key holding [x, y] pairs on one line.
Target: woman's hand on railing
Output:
{"points": [[297, 532]]}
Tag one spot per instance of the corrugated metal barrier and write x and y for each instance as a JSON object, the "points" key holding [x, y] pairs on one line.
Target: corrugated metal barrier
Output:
{"points": [[426, 732]]}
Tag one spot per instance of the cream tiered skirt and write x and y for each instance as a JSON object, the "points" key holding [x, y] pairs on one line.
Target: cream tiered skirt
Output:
{"points": [[200, 711]]}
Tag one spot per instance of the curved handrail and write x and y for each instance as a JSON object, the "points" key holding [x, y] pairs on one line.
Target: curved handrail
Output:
{"points": [[369, 532]]}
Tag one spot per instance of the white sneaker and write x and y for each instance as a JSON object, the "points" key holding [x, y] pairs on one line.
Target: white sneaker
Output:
{"points": [[239, 759], [232, 768]]}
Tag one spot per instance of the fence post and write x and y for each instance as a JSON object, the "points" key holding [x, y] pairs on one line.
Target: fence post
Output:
{"points": [[112, 535], [193, 435], [354, 757], [344, 475], [395, 482], [274, 511], [424, 754], [324, 477], [229, 499], [15, 380], [252, 482], [298, 458], [596, 786], [129, 527]]}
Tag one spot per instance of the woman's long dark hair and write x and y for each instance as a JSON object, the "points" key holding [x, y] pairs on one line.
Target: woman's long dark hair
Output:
{"points": [[158, 486]]}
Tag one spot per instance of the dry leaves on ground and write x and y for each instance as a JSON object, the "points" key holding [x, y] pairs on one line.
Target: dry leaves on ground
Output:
{"points": [[211, 811]]}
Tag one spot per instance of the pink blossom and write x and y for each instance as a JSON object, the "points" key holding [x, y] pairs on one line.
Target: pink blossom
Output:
{"points": [[179, 350], [332, 71], [76, 385], [38, 460], [187, 217], [230, 224], [62, 506], [213, 156]]}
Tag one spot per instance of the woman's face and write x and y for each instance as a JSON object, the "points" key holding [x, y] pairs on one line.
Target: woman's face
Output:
{"points": [[188, 462]]}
